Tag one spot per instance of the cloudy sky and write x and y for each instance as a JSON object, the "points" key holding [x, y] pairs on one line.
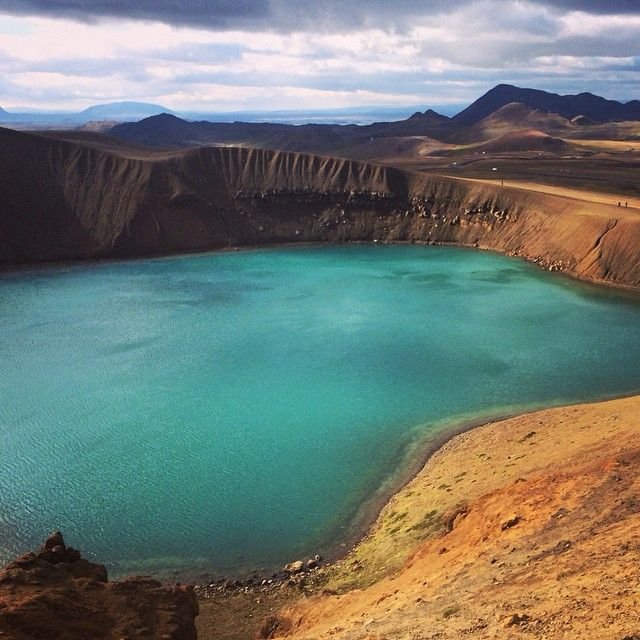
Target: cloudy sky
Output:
{"points": [[225, 55]]}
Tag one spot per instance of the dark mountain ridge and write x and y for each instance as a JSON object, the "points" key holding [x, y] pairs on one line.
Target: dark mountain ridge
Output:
{"points": [[166, 130], [593, 107], [500, 110], [429, 114]]}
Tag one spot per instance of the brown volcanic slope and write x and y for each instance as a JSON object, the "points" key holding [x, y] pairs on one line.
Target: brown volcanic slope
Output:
{"points": [[66, 200], [526, 140], [56, 595], [513, 117], [387, 148]]}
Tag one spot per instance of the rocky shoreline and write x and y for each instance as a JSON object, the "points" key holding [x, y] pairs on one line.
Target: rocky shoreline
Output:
{"points": [[600, 435], [311, 573], [298, 573]]}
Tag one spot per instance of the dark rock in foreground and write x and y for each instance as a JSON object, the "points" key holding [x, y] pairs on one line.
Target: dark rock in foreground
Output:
{"points": [[57, 595]]}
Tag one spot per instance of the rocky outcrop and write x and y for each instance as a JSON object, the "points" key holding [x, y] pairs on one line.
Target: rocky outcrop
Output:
{"points": [[56, 594], [63, 200]]}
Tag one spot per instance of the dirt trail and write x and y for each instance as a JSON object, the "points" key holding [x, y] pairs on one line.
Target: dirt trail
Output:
{"points": [[566, 192]]}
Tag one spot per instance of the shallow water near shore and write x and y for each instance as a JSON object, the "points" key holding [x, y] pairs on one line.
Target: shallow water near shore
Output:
{"points": [[229, 412]]}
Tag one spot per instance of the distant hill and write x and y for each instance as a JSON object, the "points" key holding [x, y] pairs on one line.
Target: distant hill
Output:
{"points": [[525, 140], [429, 115], [593, 107], [517, 113], [166, 130], [416, 135], [122, 111], [163, 128], [516, 116]]}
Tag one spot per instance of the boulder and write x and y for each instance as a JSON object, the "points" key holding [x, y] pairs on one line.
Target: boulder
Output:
{"points": [[294, 567], [510, 522]]}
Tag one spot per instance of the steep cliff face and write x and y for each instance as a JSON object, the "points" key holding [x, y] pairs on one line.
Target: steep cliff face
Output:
{"points": [[61, 200], [57, 595]]}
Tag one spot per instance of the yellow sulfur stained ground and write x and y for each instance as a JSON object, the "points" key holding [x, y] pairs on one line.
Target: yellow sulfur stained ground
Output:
{"points": [[523, 528]]}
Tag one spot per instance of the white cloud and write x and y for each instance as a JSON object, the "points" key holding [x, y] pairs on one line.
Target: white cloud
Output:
{"points": [[565, 64], [579, 23]]}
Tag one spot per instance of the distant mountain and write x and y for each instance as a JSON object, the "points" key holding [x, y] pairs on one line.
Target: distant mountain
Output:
{"points": [[115, 111], [584, 109], [122, 111], [414, 135], [135, 111], [591, 106], [163, 129]]}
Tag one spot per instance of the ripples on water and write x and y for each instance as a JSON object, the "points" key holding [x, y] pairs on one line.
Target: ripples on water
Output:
{"points": [[230, 411]]}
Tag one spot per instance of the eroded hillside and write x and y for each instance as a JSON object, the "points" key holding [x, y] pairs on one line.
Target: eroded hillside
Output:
{"points": [[65, 200]]}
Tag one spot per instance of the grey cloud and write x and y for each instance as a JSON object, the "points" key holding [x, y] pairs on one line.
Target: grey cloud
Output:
{"points": [[504, 54], [221, 14], [282, 15], [89, 68], [210, 13], [625, 45], [610, 7], [199, 52]]}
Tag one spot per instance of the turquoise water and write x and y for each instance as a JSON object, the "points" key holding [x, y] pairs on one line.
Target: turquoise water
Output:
{"points": [[228, 412]]}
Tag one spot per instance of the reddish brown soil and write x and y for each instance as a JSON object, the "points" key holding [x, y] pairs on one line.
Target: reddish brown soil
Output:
{"points": [[54, 594]]}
